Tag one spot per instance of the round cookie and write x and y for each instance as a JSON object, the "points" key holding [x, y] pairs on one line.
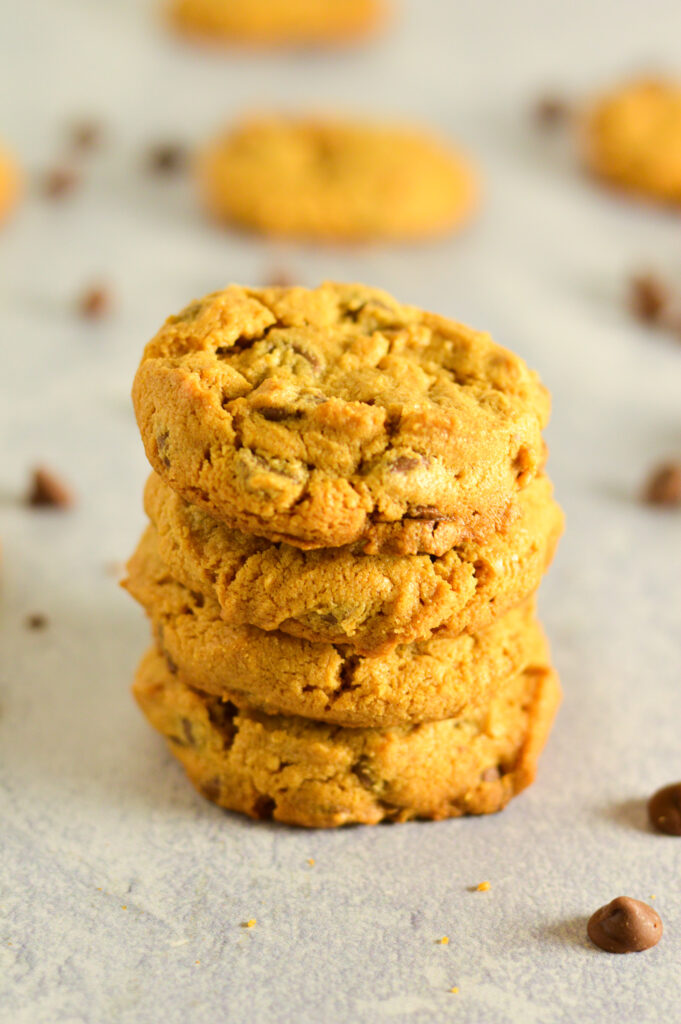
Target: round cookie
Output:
{"points": [[632, 138], [335, 180], [342, 596], [9, 185], [307, 773], [278, 673], [319, 417], [277, 22]]}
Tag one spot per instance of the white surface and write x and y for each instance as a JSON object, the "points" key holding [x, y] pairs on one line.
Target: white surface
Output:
{"points": [[94, 815]]}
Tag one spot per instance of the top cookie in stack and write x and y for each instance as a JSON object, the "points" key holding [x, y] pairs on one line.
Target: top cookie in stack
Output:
{"points": [[348, 522]]}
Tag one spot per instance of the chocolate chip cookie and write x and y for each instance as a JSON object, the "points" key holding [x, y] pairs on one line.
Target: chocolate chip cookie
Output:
{"points": [[343, 596], [322, 417], [276, 672], [321, 776], [336, 180], [278, 22], [632, 138]]}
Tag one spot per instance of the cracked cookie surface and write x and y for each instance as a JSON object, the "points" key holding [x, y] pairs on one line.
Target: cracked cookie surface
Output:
{"points": [[321, 417], [632, 138], [277, 22], [9, 185], [321, 776], [278, 673], [336, 180], [343, 596]]}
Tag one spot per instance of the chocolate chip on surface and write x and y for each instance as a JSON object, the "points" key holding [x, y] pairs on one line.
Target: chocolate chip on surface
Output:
{"points": [[664, 485], [85, 135], [625, 926], [60, 181], [36, 621], [648, 297], [95, 302], [168, 158], [664, 809], [550, 111], [48, 491]]}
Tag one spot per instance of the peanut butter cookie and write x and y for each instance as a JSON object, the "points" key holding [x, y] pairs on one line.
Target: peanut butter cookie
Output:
{"points": [[278, 22], [337, 180], [321, 417], [321, 776], [278, 673], [343, 596], [632, 138]]}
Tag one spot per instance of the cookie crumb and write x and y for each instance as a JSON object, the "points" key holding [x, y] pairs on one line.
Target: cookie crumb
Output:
{"points": [[648, 297], [454, 988], [95, 302], [483, 887], [310, 861], [36, 621], [48, 491], [167, 158], [664, 485], [85, 135], [60, 181], [124, 906], [251, 923], [551, 111], [444, 941]]}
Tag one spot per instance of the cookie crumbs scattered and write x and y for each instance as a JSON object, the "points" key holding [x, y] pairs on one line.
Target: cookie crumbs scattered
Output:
{"points": [[454, 988], [85, 135], [444, 941], [60, 181], [95, 302], [648, 297], [251, 923], [551, 111], [36, 621], [167, 158], [664, 485], [48, 491], [483, 887]]}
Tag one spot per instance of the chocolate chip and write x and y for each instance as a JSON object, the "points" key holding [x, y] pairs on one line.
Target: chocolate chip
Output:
{"points": [[188, 731], [48, 491], [60, 181], [168, 158], [276, 414], [362, 769], [551, 111], [648, 297], [664, 809], [428, 512], [625, 926], [664, 485], [161, 444], [85, 135], [36, 621], [263, 807], [95, 302], [211, 789], [405, 463]]}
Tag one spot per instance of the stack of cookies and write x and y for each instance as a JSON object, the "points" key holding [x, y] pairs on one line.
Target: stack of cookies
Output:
{"points": [[349, 519]]}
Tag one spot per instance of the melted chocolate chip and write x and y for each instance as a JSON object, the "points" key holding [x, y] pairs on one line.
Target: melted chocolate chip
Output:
{"points": [[664, 809], [625, 926], [188, 731], [664, 485], [405, 463], [263, 807], [48, 491]]}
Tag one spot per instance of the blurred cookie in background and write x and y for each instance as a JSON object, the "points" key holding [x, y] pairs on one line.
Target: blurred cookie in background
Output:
{"points": [[10, 184], [336, 179], [278, 22], [632, 138]]}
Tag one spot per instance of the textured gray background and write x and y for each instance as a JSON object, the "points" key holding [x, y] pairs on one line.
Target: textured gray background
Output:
{"points": [[94, 816]]}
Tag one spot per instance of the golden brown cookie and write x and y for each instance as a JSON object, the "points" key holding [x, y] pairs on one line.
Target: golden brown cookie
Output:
{"points": [[337, 180], [279, 673], [632, 138], [343, 596], [9, 185], [278, 22], [321, 776], [317, 417]]}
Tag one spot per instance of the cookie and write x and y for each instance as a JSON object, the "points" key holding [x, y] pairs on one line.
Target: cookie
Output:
{"points": [[335, 180], [342, 596], [306, 773], [9, 185], [277, 22], [316, 417], [632, 138], [279, 673]]}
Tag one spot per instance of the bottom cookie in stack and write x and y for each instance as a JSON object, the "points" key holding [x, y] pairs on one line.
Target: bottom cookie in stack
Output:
{"points": [[308, 773]]}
